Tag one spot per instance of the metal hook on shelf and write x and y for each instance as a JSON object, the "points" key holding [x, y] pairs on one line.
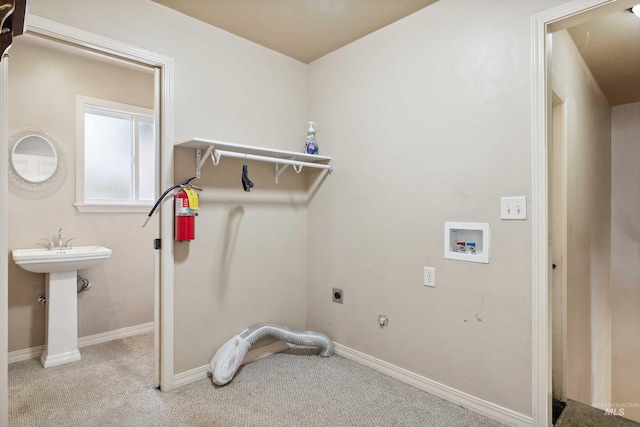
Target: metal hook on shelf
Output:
{"points": [[297, 168], [215, 157]]}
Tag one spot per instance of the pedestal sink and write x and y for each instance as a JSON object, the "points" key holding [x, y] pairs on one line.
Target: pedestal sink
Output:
{"points": [[61, 266]]}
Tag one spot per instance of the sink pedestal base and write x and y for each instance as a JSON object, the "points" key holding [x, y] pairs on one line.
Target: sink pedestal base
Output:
{"points": [[48, 361], [62, 319]]}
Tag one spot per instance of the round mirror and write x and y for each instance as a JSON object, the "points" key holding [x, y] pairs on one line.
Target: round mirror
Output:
{"points": [[36, 161], [34, 158]]}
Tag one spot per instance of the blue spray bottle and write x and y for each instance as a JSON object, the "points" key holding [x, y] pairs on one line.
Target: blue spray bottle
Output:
{"points": [[311, 146]]}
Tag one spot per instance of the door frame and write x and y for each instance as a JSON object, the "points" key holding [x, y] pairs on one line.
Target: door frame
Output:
{"points": [[555, 19], [164, 289]]}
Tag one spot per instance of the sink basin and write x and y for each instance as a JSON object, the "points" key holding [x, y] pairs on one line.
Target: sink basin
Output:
{"points": [[44, 260]]}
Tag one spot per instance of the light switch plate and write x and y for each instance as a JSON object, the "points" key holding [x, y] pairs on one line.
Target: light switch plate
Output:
{"points": [[513, 207]]}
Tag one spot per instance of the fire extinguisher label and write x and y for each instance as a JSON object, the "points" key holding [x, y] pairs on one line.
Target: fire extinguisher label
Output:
{"points": [[182, 206]]}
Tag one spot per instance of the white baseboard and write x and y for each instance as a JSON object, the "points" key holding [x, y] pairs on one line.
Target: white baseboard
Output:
{"points": [[35, 352], [26, 354], [488, 409], [199, 373], [115, 335], [264, 351]]}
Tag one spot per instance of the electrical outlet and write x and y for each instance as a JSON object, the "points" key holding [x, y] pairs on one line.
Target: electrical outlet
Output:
{"points": [[513, 207], [338, 295], [430, 276]]}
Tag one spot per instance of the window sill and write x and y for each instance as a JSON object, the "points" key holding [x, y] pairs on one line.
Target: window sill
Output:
{"points": [[112, 208]]}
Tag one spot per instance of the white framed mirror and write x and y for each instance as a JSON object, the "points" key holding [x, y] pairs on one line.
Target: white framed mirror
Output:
{"points": [[36, 161], [34, 158]]}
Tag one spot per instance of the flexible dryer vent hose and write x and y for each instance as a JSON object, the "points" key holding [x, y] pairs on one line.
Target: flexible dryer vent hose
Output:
{"points": [[229, 356], [315, 339]]}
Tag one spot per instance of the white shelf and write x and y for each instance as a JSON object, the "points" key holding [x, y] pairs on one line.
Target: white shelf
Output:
{"points": [[282, 159]]}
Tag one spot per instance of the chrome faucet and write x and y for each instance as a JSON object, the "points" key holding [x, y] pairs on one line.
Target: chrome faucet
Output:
{"points": [[61, 243]]}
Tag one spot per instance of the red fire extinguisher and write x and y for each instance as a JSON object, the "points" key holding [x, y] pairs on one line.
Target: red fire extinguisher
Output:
{"points": [[186, 204], [185, 212]]}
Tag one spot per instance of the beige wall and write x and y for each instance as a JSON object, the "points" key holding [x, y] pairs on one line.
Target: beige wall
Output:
{"points": [[42, 94], [588, 165], [428, 121], [248, 264], [226, 88], [625, 256]]}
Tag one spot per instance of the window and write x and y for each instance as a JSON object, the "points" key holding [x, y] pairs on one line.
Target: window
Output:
{"points": [[116, 158]]}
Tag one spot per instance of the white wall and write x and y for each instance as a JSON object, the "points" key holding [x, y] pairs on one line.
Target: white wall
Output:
{"points": [[625, 256], [248, 264], [42, 94], [428, 121], [588, 163]]}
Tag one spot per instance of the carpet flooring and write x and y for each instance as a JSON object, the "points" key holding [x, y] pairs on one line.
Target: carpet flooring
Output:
{"points": [[113, 386]]}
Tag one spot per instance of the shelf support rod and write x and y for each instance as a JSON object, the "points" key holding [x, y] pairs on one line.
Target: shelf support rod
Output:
{"points": [[222, 153], [201, 159], [279, 170]]}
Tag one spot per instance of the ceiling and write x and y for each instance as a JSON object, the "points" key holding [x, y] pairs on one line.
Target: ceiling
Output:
{"points": [[302, 29], [610, 46]]}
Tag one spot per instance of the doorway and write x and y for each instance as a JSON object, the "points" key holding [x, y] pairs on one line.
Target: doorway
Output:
{"points": [[547, 372], [163, 288], [118, 300]]}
